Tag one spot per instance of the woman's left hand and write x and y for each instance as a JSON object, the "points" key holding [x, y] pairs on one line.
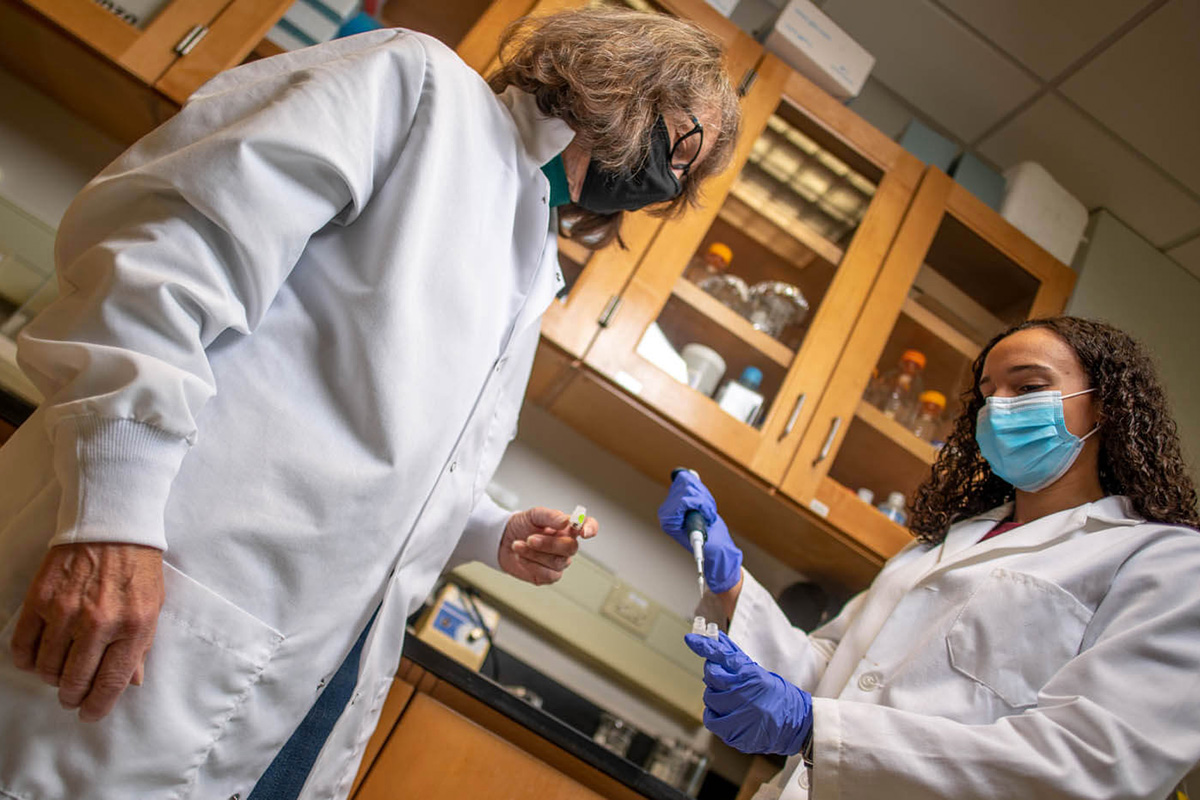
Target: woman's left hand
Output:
{"points": [[538, 544], [748, 707]]}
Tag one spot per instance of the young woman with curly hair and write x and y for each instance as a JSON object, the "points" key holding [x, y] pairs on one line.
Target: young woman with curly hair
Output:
{"points": [[1040, 638], [296, 325]]}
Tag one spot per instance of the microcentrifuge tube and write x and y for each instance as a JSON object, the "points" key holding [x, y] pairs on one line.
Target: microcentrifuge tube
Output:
{"points": [[578, 517], [698, 626], [712, 631]]}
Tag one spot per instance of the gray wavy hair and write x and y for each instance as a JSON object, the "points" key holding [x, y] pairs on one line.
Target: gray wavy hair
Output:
{"points": [[609, 73]]}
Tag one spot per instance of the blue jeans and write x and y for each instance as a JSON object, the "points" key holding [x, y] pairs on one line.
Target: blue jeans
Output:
{"points": [[284, 779]]}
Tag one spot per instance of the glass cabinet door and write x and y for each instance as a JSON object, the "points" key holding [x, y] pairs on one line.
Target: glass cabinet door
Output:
{"points": [[595, 279], [957, 275], [146, 41], [738, 311]]}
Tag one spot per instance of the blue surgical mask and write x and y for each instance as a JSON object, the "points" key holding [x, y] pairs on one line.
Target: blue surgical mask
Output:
{"points": [[1025, 439]]}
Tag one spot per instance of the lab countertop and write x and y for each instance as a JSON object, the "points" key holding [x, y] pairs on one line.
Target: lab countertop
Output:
{"points": [[540, 722]]}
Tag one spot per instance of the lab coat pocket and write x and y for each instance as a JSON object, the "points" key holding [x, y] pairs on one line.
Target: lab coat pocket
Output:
{"points": [[206, 658], [1014, 633]]}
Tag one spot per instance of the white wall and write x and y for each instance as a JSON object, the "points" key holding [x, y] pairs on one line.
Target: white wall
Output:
{"points": [[1124, 280], [47, 153], [550, 464]]}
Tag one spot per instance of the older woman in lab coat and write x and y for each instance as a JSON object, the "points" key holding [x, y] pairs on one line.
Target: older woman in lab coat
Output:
{"points": [[1041, 638], [295, 327]]}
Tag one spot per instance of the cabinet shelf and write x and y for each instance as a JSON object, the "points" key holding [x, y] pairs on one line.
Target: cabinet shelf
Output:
{"points": [[897, 433], [732, 322], [943, 330], [797, 243]]}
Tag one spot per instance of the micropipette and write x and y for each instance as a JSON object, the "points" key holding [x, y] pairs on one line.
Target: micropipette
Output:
{"points": [[697, 530]]}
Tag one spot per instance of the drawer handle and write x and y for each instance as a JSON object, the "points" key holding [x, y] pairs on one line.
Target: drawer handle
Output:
{"points": [[791, 423], [833, 432]]}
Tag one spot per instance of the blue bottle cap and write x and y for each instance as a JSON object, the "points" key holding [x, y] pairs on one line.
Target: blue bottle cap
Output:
{"points": [[751, 377]]}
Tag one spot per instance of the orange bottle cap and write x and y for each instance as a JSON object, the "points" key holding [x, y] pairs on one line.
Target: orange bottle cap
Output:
{"points": [[721, 251], [936, 398], [915, 356]]}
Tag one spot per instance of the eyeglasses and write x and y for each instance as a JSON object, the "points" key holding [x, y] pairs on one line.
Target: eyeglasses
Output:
{"points": [[697, 130]]}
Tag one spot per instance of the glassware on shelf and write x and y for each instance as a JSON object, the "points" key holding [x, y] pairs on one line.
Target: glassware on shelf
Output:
{"points": [[775, 305], [930, 406], [730, 290], [893, 508], [866, 495], [705, 367], [900, 387], [614, 734], [678, 765], [741, 398], [714, 261]]}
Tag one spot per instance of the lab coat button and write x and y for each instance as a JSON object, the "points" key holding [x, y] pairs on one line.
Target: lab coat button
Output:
{"points": [[868, 681], [803, 778], [453, 466]]}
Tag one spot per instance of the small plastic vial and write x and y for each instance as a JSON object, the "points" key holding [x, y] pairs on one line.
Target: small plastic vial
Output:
{"points": [[699, 626], [712, 631], [578, 517]]}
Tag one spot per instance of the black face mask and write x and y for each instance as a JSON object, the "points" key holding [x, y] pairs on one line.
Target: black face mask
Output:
{"points": [[606, 192]]}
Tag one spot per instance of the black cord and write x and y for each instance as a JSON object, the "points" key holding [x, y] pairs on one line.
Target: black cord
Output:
{"points": [[471, 594]]}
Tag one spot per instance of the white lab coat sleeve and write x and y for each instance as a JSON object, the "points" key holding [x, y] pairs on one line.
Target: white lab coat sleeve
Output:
{"points": [[481, 536], [188, 235], [1116, 721], [761, 629]]}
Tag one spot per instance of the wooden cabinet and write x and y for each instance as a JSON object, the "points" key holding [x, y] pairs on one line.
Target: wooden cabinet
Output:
{"points": [[436, 740], [956, 275], [889, 255], [812, 200], [128, 76]]}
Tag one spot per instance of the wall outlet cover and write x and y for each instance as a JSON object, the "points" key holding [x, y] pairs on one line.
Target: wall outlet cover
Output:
{"points": [[630, 608]]}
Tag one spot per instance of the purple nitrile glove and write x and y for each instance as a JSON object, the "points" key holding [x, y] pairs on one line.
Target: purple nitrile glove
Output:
{"points": [[749, 708], [722, 558]]}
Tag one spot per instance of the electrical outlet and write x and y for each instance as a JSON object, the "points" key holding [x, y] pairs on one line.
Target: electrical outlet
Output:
{"points": [[630, 608]]}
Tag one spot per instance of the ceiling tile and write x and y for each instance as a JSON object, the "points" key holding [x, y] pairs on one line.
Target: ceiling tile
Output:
{"points": [[879, 106], [935, 63], [1145, 88], [1046, 37], [1188, 255], [1094, 166]]}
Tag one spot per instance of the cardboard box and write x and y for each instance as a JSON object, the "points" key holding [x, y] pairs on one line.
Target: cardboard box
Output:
{"points": [[979, 179], [1043, 210], [815, 47], [928, 145]]}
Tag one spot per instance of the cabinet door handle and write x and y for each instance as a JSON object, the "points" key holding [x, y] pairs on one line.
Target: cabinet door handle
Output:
{"points": [[825, 448], [791, 423], [610, 310], [192, 39]]}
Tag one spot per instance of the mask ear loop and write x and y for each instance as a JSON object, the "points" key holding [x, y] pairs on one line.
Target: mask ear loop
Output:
{"points": [[1095, 427]]}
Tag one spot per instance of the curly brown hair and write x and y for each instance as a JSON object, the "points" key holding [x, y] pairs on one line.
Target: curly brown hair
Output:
{"points": [[609, 73], [1139, 446]]}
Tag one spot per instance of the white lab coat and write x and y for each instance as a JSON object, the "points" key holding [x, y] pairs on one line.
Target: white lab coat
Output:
{"points": [[296, 327], [1059, 659]]}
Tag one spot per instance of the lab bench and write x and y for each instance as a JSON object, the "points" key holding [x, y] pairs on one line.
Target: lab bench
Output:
{"points": [[448, 731]]}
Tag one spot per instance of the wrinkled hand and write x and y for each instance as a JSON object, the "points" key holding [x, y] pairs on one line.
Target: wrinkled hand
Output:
{"points": [[749, 708], [88, 621], [722, 558], [538, 544]]}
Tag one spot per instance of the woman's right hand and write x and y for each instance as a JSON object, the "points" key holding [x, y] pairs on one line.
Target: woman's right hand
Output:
{"points": [[722, 558]]}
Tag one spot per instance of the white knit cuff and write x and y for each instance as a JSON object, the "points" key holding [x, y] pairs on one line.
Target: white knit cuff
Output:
{"points": [[115, 476]]}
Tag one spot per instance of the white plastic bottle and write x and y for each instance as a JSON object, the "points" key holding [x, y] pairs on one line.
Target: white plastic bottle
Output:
{"points": [[741, 398], [893, 508]]}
